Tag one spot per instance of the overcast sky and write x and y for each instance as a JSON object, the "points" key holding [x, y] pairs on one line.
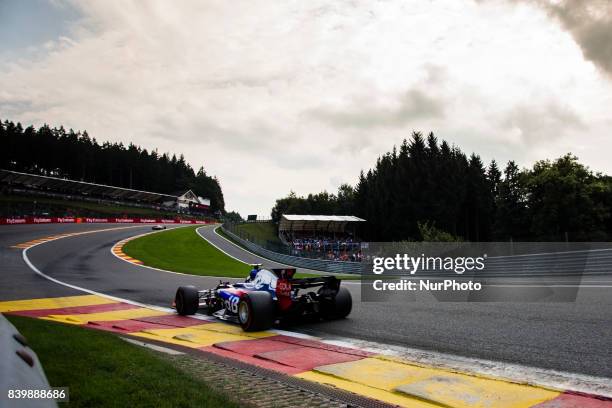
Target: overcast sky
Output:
{"points": [[273, 96]]}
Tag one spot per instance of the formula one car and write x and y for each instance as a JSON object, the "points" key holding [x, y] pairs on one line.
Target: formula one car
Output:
{"points": [[158, 227], [268, 296]]}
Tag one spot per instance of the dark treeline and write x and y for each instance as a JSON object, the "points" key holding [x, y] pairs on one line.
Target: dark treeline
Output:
{"points": [[426, 185], [74, 155]]}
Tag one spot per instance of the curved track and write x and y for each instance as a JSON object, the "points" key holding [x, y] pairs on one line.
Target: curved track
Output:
{"points": [[573, 337]]}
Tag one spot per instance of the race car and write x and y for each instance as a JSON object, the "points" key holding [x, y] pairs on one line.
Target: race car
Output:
{"points": [[158, 227], [268, 296]]}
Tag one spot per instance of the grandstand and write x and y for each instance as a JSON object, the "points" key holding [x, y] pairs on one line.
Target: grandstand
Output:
{"points": [[332, 237], [18, 189]]}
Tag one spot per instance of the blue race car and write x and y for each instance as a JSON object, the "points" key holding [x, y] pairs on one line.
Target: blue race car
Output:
{"points": [[268, 296]]}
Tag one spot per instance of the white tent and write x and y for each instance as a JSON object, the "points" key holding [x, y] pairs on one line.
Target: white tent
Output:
{"points": [[320, 223]]}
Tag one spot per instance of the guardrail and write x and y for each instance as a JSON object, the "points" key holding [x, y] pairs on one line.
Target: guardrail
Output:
{"points": [[301, 262], [593, 262], [570, 263], [587, 262]]}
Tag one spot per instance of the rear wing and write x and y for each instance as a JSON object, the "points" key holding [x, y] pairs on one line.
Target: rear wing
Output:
{"points": [[330, 282]]}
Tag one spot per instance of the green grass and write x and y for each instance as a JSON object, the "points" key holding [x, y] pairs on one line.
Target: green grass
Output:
{"points": [[260, 231], [183, 250], [102, 370]]}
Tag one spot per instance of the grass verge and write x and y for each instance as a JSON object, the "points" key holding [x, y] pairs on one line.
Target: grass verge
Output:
{"points": [[260, 231], [104, 371], [183, 250]]}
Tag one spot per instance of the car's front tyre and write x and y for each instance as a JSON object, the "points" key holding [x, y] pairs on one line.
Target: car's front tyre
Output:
{"points": [[187, 300]]}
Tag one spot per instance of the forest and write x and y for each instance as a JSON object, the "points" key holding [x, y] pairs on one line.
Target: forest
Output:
{"points": [[427, 190], [75, 155]]}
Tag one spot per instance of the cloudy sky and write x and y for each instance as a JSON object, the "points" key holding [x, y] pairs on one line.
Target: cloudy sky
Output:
{"points": [[301, 95]]}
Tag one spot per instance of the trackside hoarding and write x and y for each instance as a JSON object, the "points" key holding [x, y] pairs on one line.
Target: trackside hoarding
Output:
{"points": [[78, 220]]}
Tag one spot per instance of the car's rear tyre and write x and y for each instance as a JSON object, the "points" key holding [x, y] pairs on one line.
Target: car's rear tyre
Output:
{"points": [[339, 307], [256, 311], [187, 300]]}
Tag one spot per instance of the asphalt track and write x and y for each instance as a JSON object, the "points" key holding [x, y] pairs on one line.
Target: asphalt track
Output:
{"points": [[572, 337]]}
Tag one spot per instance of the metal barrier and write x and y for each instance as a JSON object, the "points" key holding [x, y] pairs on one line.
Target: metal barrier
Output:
{"points": [[279, 253], [570, 263]]}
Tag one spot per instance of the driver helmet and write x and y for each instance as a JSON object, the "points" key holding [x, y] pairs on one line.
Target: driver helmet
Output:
{"points": [[253, 273]]}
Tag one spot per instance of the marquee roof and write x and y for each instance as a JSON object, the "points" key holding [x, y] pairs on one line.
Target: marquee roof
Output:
{"points": [[81, 187], [328, 223]]}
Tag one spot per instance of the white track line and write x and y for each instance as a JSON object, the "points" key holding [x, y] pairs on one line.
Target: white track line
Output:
{"points": [[125, 241], [231, 256], [24, 255], [549, 286], [153, 346], [237, 246], [159, 269], [502, 371], [259, 256]]}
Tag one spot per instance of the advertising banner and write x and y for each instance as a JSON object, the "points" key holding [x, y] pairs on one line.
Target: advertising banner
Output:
{"points": [[71, 220]]}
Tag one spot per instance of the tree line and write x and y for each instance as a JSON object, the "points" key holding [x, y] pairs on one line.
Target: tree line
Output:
{"points": [[429, 189], [75, 155]]}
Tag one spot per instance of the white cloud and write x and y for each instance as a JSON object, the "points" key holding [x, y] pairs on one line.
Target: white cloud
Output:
{"points": [[279, 96]]}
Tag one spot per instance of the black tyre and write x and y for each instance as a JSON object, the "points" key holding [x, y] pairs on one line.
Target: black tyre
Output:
{"points": [[187, 300], [339, 307], [256, 311]]}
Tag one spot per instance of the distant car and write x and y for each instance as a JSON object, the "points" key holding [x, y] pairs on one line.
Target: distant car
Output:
{"points": [[268, 296], [159, 227]]}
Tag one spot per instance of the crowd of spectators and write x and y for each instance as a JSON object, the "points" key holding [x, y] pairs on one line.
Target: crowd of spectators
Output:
{"points": [[342, 247]]}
